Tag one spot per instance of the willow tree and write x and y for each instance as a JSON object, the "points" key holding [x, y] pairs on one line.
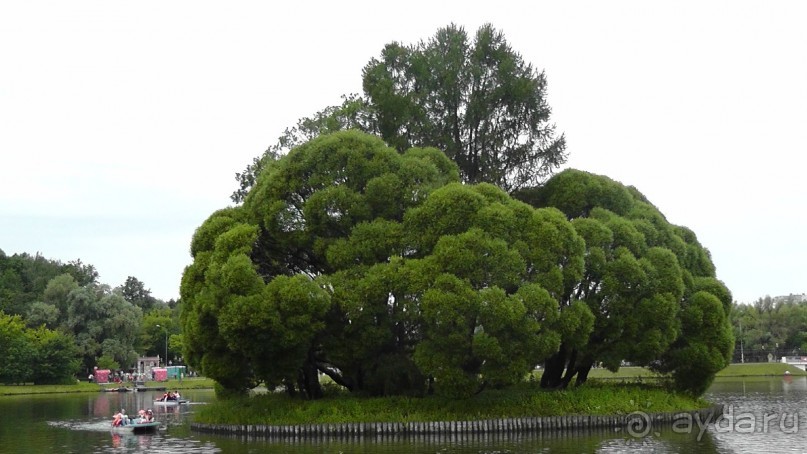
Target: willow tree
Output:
{"points": [[650, 285], [255, 305], [380, 270]]}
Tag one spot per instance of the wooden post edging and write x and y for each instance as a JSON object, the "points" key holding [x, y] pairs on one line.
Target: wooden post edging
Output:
{"points": [[638, 422]]}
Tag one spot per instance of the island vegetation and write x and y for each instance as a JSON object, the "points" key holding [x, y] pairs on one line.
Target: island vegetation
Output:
{"points": [[411, 243], [413, 253]]}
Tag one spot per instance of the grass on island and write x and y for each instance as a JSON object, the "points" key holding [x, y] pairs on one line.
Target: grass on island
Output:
{"points": [[733, 370], [607, 393], [526, 400], [81, 387]]}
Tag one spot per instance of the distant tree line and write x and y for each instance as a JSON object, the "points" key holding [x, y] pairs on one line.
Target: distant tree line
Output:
{"points": [[59, 321], [770, 329]]}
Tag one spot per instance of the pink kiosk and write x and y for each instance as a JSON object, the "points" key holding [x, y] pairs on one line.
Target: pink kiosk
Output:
{"points": [[160, 373]]}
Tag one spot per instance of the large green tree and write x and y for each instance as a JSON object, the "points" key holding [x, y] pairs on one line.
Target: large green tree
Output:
{"points": [[303, 204], [135, 292], [650, 284], [103, 323], [476, 100], [380, 270], [473, 98]]}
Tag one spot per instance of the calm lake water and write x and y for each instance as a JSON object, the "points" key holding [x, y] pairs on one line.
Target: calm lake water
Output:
{"points": [[764, 415]]}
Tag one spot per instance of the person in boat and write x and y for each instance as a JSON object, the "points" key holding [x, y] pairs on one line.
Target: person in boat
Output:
{"points": [[176, 395], [164, 397], [149, 415], [117, 418], [142, 416]]}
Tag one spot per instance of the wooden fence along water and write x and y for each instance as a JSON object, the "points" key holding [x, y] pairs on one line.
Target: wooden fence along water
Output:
{"points": [[633, 423]]}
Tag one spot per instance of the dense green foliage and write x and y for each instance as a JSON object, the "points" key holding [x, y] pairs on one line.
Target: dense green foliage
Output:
{"points": [[525, 400], [63, 305], [476, 100], [37, 355], [381, 271], [23, 279], [650, 285], [770, 328]]}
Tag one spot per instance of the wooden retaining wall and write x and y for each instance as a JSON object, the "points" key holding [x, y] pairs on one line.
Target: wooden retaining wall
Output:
{"points": [[637, 423]]}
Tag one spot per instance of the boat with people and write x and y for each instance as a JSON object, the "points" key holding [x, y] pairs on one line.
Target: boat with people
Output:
{"points": [[137, 427], [170, 402], [170, 398], [144, 422]]}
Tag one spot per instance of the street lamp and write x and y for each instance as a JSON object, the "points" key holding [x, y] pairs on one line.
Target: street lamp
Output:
{"points": [[165, 360]]}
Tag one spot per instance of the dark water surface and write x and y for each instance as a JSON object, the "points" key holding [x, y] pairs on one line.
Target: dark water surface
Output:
{"points": [[765, 415]]}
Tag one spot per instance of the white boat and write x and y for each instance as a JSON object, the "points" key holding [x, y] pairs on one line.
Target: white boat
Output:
{"points": [[170, 402]]}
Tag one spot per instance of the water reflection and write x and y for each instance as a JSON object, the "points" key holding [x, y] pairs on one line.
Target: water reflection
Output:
{"points": [[765, 415], [604, 441]]}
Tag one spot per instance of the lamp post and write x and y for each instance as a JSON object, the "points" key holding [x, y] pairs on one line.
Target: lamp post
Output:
{"points": [[742, 352], [165, 360]]}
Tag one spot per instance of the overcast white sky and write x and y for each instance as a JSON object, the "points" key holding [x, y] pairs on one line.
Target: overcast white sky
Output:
{"points": [[122, 124]]}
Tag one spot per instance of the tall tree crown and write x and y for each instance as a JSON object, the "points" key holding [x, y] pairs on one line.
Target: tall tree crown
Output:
{"points": [[474, 99]]}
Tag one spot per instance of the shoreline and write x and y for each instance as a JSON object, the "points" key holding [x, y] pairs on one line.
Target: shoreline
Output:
{"points": [[635, 422], [85, 387], [627, 373]]}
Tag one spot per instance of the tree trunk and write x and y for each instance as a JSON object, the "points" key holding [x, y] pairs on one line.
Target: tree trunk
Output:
{"points": [[308, 378], [553, 369], [308, 381], [571, 370], [291, 390], [582, 372]]}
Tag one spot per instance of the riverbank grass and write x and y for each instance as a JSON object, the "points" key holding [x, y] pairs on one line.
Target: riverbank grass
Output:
{"points": [[526, 400], [14, 390], [760, 369], [82, 387], [733, 370]]}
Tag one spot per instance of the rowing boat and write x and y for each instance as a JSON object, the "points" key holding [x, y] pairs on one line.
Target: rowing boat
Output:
{"points": [[170, 402], [137, 427]]}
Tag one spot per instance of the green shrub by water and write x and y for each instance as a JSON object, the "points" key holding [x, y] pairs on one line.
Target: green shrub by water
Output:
{"points": [[522, 401]]}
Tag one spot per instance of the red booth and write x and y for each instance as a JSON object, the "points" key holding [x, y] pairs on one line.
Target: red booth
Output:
{"points": [[102, 375], [160, 373]]}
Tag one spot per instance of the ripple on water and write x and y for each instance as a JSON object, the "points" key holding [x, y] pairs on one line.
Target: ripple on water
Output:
{"points": [[129, 442]]}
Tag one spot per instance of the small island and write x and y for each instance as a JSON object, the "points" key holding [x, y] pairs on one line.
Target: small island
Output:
{"points": [[412, 256]]}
